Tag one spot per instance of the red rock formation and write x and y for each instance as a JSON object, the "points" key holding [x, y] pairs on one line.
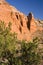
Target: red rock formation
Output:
{"points": [[23, 25]]}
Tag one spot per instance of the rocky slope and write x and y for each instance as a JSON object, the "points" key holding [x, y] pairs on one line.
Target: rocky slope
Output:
{"points": [[26, 27]]}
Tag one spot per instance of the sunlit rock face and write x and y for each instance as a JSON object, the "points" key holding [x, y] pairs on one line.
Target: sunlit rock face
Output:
{"points": [[24, 26]]}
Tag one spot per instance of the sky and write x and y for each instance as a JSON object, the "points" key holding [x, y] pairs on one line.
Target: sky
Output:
{"points": [[26, 6]]}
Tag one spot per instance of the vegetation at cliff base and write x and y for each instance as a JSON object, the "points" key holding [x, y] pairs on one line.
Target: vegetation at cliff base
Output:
{"points": [[16, 52]]}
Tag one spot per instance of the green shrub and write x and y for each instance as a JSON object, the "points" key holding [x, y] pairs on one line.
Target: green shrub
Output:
{"points": [[15, 52]]}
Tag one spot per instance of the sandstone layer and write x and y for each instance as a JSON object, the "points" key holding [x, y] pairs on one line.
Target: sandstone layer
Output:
{"points": [[26, 27]]}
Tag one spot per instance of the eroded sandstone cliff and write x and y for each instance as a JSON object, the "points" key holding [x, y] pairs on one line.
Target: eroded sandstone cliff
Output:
{"points": [[26, 27]]}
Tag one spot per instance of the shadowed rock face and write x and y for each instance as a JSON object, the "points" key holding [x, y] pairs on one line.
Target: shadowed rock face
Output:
{"points": [[24, 26]]}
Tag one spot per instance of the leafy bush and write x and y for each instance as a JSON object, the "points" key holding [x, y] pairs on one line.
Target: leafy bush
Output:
{"points": [[16, 52]]}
